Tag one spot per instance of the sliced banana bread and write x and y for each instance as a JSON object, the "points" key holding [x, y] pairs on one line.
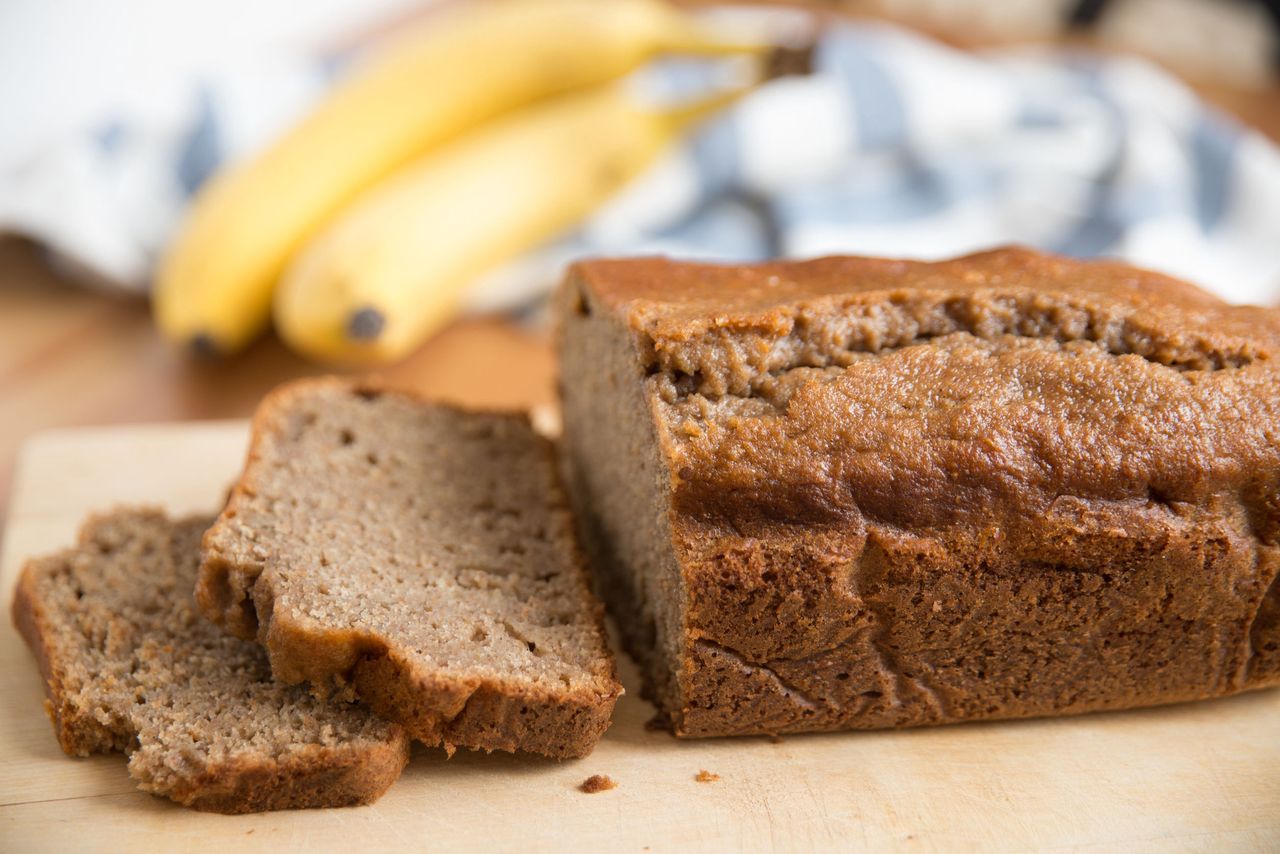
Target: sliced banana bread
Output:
{"points": [[421, 558], [853, 492], [129, 664]]}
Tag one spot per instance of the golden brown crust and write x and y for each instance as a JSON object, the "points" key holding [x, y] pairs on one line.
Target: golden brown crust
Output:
{"points": [[902, 493], [681, 298], [435, 708]]}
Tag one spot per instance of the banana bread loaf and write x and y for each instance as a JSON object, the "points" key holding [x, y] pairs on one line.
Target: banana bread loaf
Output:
{"points": [[421, 558], [130, 665], [851, 493]]}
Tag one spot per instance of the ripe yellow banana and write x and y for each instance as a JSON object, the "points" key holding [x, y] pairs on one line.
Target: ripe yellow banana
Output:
{"points": [[213, 287], [391, 270]]}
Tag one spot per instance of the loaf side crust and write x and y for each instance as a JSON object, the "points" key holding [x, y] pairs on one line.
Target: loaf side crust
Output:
{"points": [[899, 493]]}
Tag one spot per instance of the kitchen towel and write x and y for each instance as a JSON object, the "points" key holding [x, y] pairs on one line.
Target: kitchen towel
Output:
{"points": [[894, 145]]}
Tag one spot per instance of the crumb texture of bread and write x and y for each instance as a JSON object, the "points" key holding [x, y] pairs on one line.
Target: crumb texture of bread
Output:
{"points": [[597, 783], [130, 665], [856, 493], [419, 557]]}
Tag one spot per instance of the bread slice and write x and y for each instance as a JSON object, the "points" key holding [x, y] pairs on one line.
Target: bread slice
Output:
{"points": [[130, 665], [419, 557]]}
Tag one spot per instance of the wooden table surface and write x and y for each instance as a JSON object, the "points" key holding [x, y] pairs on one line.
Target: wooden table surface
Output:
{"points": [[70, 356]]}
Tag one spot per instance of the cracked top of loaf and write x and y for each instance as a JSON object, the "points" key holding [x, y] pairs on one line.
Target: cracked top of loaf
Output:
{"points": [[926, 395]]}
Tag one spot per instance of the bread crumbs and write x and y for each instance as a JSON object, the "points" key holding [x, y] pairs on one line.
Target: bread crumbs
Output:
{"points": [[597, 783], [705, 776]]}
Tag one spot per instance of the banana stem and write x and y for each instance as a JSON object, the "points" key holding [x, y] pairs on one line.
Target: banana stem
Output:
{"points": [[684, 33], [700, 41], [684, 116]]}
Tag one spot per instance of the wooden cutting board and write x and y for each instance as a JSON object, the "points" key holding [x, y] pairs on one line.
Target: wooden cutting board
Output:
{"points": [[1194, 777]]}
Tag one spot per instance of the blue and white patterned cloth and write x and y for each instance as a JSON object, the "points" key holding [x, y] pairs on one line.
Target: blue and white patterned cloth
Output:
{"points": [[895, 146]]}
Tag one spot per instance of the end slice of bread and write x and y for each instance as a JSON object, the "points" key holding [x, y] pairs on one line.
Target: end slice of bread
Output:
{"points": [[421, 558], [129, 664]]}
